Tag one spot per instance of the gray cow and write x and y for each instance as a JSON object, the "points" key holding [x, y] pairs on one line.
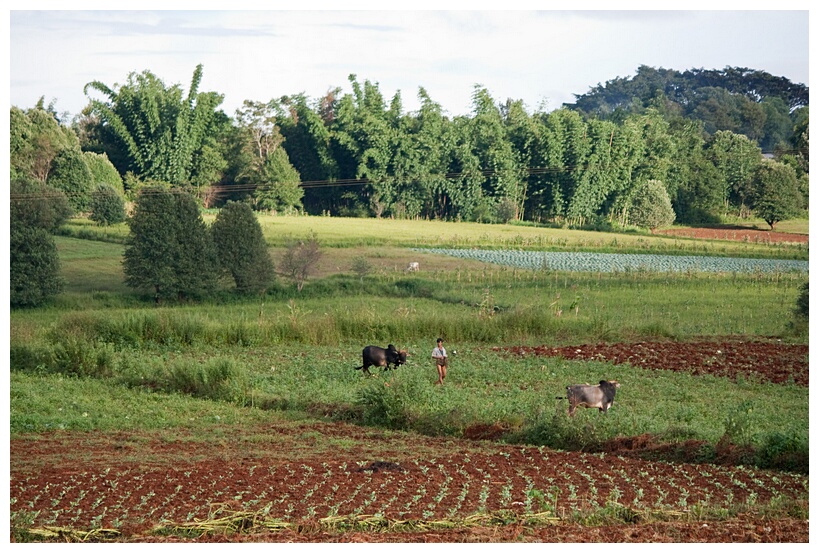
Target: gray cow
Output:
{"points": [[585, 395]]}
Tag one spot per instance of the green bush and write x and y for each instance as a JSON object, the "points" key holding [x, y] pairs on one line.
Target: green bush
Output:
{"points": [[218, 379], [70, 173], [107, 206], [651, 206], [34, 267], [393, 404], [77, 356], [784, 452], [37, 205]]}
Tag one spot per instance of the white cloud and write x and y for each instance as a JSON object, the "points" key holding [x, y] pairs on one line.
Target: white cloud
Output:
{"points": [[258, 55]]}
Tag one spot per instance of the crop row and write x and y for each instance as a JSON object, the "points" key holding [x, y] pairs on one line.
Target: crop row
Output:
{"points": [[619, 262], [523, 481]]}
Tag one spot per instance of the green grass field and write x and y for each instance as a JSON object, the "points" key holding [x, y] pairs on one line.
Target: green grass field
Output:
{"points": [[103, 357]]}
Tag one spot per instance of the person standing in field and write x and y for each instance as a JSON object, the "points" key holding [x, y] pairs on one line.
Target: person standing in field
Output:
{"points": [[439, 355]]}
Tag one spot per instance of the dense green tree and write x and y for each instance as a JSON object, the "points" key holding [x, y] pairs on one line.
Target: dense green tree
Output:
{"points": [[776, 194], [736, 158], [266, 166], [307, 142], [651, 206], [36, 137], [241, 248], [37, 205], [421, 161], [567, 159], [778, 128], [740, 100], [161, 130], [34, 266], [505, 175], [103, 171], [169, 250], [71, 174], [281, 191], [196, 265], [35, 211], [107, 205]]}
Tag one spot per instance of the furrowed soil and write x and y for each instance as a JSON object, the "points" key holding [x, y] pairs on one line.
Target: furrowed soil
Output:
{"points": [[737, 233], [314, 481]]}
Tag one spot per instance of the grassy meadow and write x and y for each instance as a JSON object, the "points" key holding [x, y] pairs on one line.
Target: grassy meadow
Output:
{"points": [[103, 357]]}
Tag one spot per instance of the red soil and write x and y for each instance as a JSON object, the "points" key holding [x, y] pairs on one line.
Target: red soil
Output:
{"points": [[737, 233], [768, 360]]}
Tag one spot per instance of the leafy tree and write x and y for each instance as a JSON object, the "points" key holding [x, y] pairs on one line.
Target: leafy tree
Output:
{"points": [[161, 131], [505, 175], [736, 158], [35, 211], [567, 159], [196, 264], [103, 171], [281, 190], [776, 192], [107, 205], [651, 206], [741, 100], [300, 259], [71, 174], [169, 250], [241, 248], [36, 138], [34, 267], [266, 163], [37, 205]]}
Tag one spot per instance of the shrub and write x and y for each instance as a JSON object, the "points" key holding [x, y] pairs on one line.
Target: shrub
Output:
{"points": [[802, 302], [70, 173], [361, 267], [103, 171], [107, 206], [34, 204], [784, 452], [219, 379], [300, 259], [651, 206]]}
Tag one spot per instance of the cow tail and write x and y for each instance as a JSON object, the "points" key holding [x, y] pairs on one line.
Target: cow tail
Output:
{"points": [[359, 368]]}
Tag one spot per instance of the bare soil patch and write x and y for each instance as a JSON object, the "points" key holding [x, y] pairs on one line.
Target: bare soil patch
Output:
{"points": [[738, 233], [769, 360]]}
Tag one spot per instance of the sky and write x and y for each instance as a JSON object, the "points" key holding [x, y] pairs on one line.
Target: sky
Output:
{"points": [[543, 58]]}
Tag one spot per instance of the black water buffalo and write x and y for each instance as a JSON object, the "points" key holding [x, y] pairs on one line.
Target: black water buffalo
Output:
{"points": [[374, 356], [584, 395]]}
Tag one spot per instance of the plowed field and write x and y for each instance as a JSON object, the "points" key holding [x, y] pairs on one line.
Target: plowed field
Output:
{"points": [[738, 233], [335, 482]]}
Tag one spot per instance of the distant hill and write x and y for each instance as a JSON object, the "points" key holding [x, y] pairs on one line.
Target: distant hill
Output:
{"points": [[757, 104]]}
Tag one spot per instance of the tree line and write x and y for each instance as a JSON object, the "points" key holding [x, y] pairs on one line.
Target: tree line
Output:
{"points": [[646, 151], [357, 154]]}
